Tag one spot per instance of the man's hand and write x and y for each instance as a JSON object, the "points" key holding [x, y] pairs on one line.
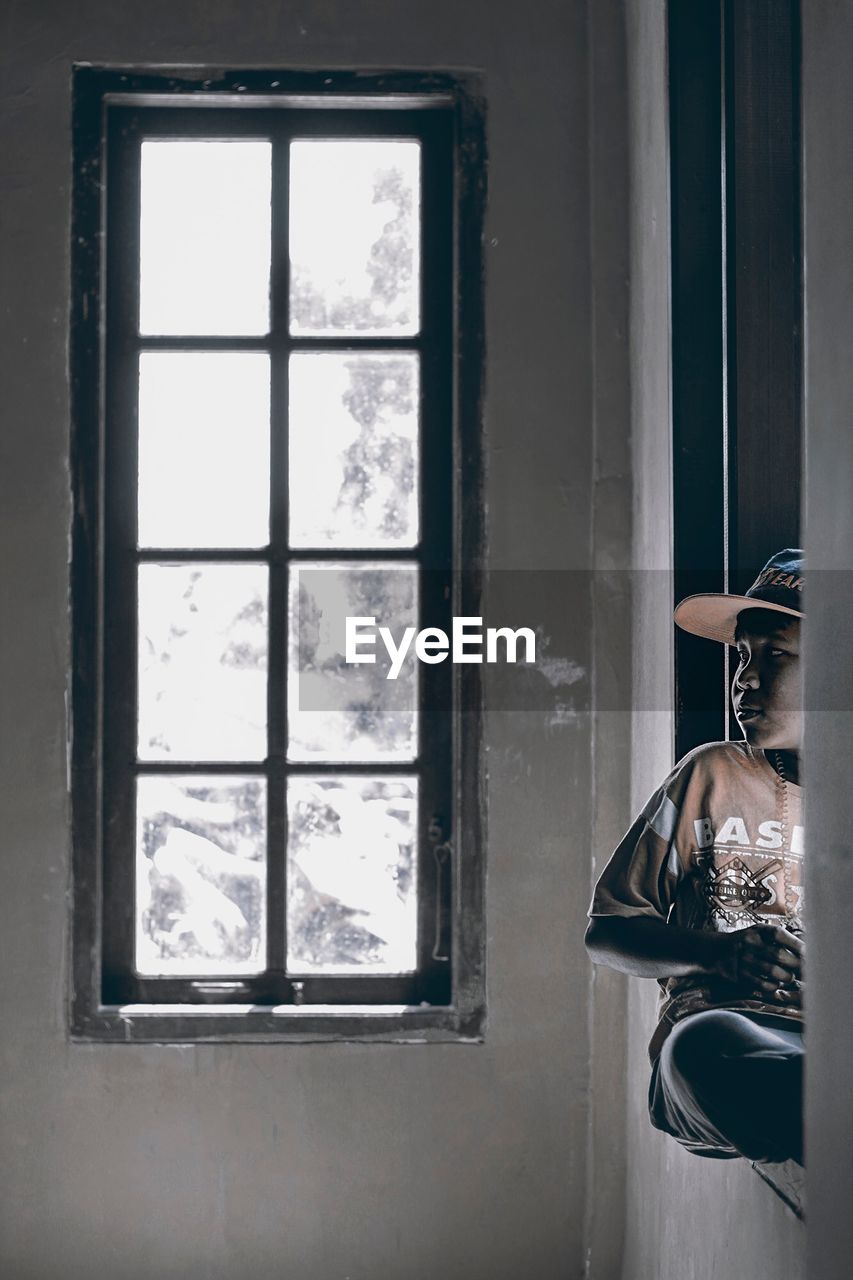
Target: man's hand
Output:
{"points": [[766, 959]]}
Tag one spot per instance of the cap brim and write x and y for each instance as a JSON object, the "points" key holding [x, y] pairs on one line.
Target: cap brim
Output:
{"points": [[715, 616]]}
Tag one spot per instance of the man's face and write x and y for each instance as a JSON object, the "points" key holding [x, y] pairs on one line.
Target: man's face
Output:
{"points": [[767, 687]]}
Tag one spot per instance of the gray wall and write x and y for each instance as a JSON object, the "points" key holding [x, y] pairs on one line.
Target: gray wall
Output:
{"points": [[687, 1218], [828, 169], [612, 480], [345, 1160]]}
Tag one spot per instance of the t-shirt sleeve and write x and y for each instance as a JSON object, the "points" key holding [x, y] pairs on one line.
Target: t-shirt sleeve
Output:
{"points": [[643, 873]]}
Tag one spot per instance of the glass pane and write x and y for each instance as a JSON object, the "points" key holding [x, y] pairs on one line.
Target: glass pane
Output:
{"points": [[202, 662], [204, 449], [346, 711], [354, 450], [351, 875], [355, 236], [205, 237], [200, 875]]}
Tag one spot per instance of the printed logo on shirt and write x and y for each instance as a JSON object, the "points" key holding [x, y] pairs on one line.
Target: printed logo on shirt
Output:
{"points": [[736, 893], [739, 889]]}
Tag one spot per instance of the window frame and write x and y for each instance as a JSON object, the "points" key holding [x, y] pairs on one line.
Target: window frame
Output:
{"points": [[107, 1000]]}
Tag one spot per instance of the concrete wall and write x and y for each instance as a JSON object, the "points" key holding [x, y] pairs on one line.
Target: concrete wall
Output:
{"points": [[828, 178], [687, 1218], [324, 1161]]}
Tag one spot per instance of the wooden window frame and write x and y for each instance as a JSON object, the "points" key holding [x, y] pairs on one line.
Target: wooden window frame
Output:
{"points": [[444, 999]]}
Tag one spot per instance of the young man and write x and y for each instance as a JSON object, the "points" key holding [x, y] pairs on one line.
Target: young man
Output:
{"points": [[704, 893]]}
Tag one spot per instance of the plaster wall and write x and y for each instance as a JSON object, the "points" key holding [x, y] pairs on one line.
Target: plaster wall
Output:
{"points": [[341, 1160], [611, 602], [687, 1218]]}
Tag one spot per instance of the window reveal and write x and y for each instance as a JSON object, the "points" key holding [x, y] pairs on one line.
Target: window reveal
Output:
{"points": [[277, 368]]}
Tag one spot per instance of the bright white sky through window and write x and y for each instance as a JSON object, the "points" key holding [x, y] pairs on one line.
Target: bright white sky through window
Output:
{"points": [[205, 238]]}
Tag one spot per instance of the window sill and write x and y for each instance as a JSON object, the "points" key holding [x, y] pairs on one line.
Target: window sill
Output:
{"points": [[254, 1024], [788, 1180]]}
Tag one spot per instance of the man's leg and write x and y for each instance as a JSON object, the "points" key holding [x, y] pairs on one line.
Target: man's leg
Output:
{"points": [[730, 1083]]}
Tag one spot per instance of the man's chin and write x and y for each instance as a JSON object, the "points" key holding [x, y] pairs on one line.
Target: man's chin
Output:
{"points": [[762, 738], [759, 736]]}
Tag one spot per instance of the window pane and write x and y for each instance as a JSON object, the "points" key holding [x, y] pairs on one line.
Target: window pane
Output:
{"points": [[200, 875], [339, 710], [354, 450], [202, 662], [204, 449], [205, 237], [352, 905], [355, 236]]}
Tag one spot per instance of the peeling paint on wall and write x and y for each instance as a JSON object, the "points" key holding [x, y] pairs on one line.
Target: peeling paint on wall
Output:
{"points": [[560, 672]]}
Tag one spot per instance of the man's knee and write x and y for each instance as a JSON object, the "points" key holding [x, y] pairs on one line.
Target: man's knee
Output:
{"points": [[695, 1045], [702, 1088]]}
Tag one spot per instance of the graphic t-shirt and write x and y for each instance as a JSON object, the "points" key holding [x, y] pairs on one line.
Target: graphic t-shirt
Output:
{"points": [[718, 846]]}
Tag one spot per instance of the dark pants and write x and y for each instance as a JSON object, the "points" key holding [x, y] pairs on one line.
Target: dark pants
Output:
{"points": [[730, 1084]]}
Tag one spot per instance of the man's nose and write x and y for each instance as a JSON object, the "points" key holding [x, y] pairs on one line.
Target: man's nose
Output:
{"points": [[747, 677]]}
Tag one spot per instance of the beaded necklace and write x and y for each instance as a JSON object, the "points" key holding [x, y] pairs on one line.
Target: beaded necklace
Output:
{"points": [[791, 911]]}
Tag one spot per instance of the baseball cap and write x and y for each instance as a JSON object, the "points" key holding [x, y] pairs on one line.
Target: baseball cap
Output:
{"points": [[779, 587]]}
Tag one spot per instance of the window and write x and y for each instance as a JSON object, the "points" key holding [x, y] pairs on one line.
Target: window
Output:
{"points": [[276, 310]]}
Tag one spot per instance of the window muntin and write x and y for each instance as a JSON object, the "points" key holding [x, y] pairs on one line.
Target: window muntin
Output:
{"points": [[251, 794]]}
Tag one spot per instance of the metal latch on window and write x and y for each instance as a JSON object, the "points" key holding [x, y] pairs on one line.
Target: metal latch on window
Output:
{"points": [[214, 990], [442, 850]]}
